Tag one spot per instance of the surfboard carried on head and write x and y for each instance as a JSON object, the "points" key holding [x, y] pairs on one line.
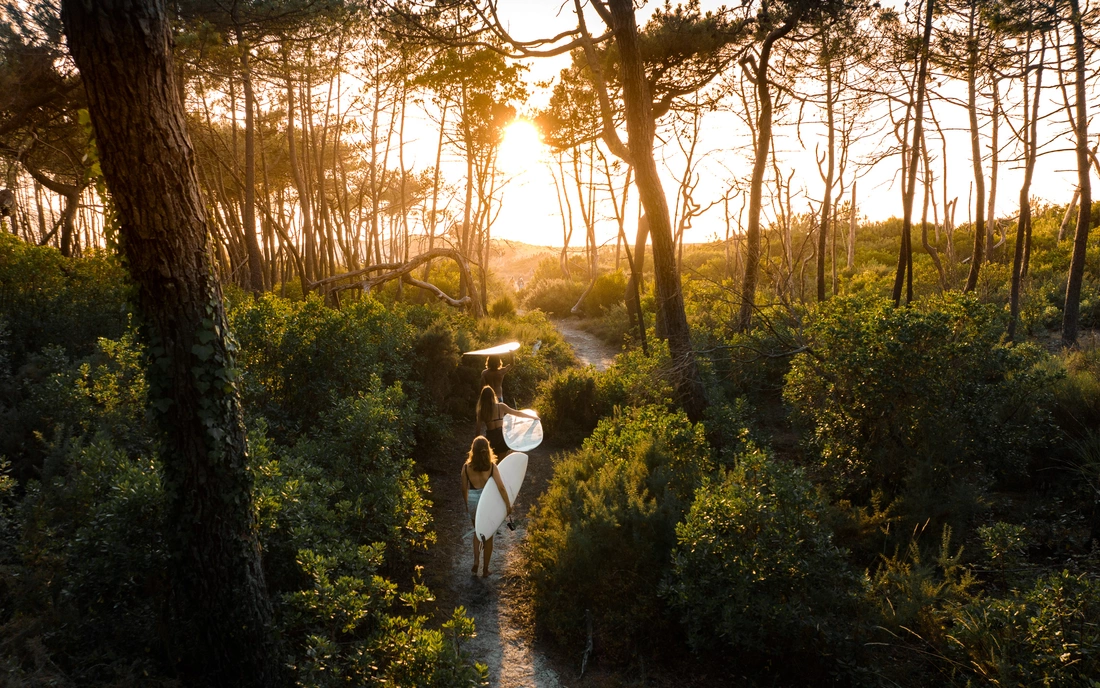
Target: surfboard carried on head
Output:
{"points": [[498, 350], [491, 509], [522, 434]]}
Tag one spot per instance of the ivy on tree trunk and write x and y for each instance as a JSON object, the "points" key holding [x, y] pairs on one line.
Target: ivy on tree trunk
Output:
{"points": [[223, 615]]}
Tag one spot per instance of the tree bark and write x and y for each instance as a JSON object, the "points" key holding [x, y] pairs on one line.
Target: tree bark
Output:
{"points": [[975, 152], [640, 126], [994, 166], [252, 244], [1023, 225], [827, 202], [760, 166], [905, 256], [123, 51], [852, 228], [1071, 314]]}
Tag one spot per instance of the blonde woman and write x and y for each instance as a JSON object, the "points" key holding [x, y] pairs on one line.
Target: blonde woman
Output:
{"points": [[490, 419], [479, 469]]}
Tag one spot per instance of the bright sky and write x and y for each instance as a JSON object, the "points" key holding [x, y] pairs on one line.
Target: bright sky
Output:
{"points": [[530, 212]]}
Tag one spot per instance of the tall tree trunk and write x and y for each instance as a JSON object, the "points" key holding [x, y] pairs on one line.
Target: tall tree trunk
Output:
{"points": [[1072, 312], [640, 126], [975, 151], [433, 220], [852, 228], [123, 51], [994, 163], [299, 185], [827, 202], [905, 257], [1023, 225], [252, 244], [760, 166]]}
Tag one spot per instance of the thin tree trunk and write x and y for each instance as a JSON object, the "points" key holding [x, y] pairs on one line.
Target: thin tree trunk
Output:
{"points": [[756, 190], [252, 244], [994, 162], [852, 229], [827, 202], [975, 152], [1072, 312], [1023, 225], [123, 51], [905, 258]]}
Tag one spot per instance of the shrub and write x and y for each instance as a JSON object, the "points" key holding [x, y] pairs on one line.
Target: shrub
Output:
{"points": [[599, 538], [924, 401], [298, 358], [606, 292], [572, 402], [553, 296], [1046, 636], [756, 572], [502, 308], [1076, 402], [48, 299]]}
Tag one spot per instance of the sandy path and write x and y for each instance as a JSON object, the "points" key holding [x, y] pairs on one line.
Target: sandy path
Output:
{"points": [[505, 632]]}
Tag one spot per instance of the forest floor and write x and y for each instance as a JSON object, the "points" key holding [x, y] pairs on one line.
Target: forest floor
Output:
{"points": [[499, 604]]}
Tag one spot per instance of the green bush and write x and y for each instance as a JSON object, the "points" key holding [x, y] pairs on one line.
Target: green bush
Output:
{"points": [[298, 358], [607, 291], [924, 402], [756, 572], [503, 307], [572, 402], [48, 299], [1046, 636], [553, 296], [599, 539]]}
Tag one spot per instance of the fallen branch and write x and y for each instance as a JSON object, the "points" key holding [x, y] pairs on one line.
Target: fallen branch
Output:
{"points": [[401, 271]]}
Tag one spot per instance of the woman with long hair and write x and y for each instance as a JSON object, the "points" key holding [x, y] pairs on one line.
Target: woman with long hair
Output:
{"points": [[490, 419], [480, 467], [493, 375]]}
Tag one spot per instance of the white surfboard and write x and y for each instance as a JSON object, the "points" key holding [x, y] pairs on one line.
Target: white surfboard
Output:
{"points": [[491, 509], [522, 434], [495, 350]]}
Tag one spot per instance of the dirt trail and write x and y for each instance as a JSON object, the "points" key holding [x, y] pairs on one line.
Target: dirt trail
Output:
{"points": [[589, 349], [505, 633]]}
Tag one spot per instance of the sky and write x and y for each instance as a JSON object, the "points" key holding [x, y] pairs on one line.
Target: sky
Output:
{"points": [[529, 210]]}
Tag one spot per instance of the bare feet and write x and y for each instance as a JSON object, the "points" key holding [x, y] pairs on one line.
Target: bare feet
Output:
{"points": [[485, 572], [474, 569]]}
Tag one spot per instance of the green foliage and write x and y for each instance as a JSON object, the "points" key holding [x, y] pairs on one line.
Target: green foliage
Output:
{"points": [[298, 358], [48, 299], [572, 402], [1076, 402], [924, 401], [1046, 636], [910, 589], [607, 291], [554, 297], [350, 479], [600, 537], [90, 568], [503, 307], [85, 581], [614, 326], [756, 572], [345, 634]]}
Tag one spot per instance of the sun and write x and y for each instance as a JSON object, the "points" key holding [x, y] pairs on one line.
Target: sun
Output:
{"points": [[521, 148]]}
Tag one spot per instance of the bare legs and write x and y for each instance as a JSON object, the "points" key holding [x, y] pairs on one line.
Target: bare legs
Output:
{"points": [[477, 554]]}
